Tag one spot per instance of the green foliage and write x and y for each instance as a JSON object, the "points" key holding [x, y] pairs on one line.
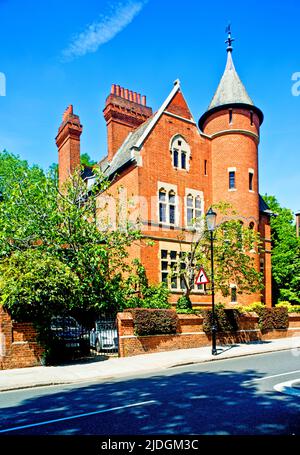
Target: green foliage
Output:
{"points": [[35, 285], [156, 296], [137, 293], [59, 227], [285, 253], [235, 249], [291, 308], [255, 307], [86, 160], [184, 305], [154, 321]]}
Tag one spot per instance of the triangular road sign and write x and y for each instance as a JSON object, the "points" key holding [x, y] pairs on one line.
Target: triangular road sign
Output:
{"points": [[201, 277]]}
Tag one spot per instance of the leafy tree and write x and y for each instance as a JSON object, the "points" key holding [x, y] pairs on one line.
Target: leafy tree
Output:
{"points": [[235, 248], [137, 293], [86, 160], [285, 253], [62, 225], [34, 285]]}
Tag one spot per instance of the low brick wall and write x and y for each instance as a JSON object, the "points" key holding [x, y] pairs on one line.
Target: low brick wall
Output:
{"points": [[18, 345], [190, 334]]}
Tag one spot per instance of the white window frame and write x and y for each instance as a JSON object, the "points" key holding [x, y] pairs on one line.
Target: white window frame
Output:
{"points": [[232, 169], [194, 193], [168, 188], [172, 246], [251, 171]]}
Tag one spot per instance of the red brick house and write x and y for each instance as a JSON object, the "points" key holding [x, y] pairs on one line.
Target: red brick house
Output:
{"points": [[172, 170]]}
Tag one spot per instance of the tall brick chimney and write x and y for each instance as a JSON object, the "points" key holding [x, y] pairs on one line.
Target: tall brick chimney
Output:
{"points": [[68, 143], [124, 111]]}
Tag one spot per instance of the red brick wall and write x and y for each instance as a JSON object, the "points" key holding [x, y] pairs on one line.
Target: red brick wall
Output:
{"points": [[190, 334], [18, 345]]}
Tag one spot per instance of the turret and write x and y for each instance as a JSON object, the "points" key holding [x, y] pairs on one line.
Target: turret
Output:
{"points": [[233, 121]]}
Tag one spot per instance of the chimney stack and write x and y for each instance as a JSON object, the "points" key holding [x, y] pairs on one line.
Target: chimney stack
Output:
{"points": [[68, 143], [124, 111]]}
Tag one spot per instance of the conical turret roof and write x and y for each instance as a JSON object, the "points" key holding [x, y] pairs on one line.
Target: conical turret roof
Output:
{"points": [[231, 92], [231, 89]]}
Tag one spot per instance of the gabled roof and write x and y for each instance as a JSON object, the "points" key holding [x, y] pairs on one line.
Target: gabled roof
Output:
{"points": [[231, 92], [136, 139], [124, 154]]}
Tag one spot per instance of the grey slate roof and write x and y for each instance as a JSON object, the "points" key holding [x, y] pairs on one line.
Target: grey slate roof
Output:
{"points": [[123, 156], [231, 90]]}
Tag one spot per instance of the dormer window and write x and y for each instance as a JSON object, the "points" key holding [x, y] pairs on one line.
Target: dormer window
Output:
{"points": [[180, 151]]}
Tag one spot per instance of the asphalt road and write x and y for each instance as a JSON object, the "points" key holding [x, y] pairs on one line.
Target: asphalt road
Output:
{"points": [[226, 397]]}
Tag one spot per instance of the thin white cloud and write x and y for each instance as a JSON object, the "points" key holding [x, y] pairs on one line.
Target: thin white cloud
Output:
{"points": [[104, 30]]}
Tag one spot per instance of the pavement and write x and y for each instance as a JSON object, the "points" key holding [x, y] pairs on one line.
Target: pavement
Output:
{"points": [[116, 368]]}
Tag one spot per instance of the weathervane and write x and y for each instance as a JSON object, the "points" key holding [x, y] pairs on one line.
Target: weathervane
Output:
{"points": [[229, 39]]}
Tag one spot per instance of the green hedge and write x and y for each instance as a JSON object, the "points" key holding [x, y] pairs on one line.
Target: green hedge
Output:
{"points": [[154, 321], [291, 308]]}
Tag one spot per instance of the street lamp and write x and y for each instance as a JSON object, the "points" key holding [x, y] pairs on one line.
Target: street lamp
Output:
{"points": [[211, 224]]}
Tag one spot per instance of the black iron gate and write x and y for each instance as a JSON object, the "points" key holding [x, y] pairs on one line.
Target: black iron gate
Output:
{"points": [[104, 337]]}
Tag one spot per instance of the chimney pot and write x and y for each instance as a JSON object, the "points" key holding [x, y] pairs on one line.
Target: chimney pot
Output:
{"points": [[113, 89], [135, 97], [122, 92], [139, 98], [130, 95], [126, 93], [68, 112], [117, 90], [144, 100]]}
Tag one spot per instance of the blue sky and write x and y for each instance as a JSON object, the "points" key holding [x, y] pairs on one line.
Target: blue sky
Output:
{"points": [[55, 53]]}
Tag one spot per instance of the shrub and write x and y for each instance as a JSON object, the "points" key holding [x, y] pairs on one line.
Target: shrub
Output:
{"points": [[184, 305], [273, 318], [284, 304], [290, 307], [227, 319], [154, 321], [156, 296], [294, 309], [255, 306], [280, 318]]}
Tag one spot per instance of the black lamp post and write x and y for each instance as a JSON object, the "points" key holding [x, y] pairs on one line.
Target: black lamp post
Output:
{"points": [[211, 224]]}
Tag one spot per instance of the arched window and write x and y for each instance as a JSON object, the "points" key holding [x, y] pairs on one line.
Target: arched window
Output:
{"points": [[162, 197], [167, 206], [181, 152], [172, 207], [193, 209]]}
